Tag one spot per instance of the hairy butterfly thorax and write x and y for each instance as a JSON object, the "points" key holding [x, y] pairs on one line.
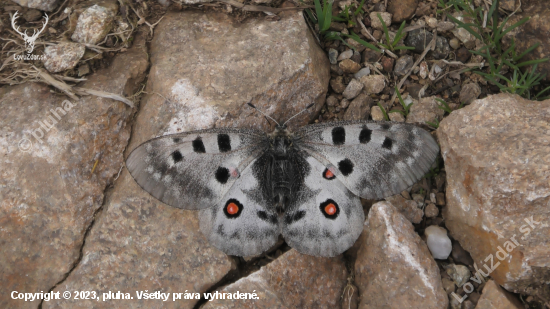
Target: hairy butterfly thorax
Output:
{"points": [[251, 186]]}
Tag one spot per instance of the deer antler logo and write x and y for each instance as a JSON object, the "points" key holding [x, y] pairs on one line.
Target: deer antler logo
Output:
{"points": [[29, 40]]}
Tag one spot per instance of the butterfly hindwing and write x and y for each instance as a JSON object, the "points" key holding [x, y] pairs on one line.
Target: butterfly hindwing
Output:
{"points": [[324, 218], [244, 223], [372, 159], [194, 170]]}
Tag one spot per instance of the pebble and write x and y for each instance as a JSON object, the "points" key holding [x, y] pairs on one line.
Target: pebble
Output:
{"points": [[332, 101], [363, 72], [431, 211], [438, 242], [459, 273], [397, 117], [356, 57], [403, 65], [455, 44], [375, 21], [345, 55], [448, 285], [443, 26], [353, 89], [387, 64], [469, 93], [376, 113], [333, 56], [370, 55], [373, 83], [337, 84], [349, 66]]}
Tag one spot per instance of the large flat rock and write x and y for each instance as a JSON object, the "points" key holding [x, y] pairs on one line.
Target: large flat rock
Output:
{"points": [[49, 187]]}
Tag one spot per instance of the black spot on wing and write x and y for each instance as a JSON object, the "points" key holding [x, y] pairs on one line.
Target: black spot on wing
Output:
{"points": [[388, 142], [177, 156], [365, 135], [222, 175], [330, 209], [224, 143], [176, 140], [345, 166], [338, 136], [267, 218], [291, 218], [233, 208], [198, 145], [385, 126]]}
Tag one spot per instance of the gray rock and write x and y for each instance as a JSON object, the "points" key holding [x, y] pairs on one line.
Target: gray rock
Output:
{"points": [[454, 43], [32, 15], [94, 24], [353, 89], [431, 211], [345, 55], [403, 65], [63, 56], [49, 187], [332, 101], [363, 72]]}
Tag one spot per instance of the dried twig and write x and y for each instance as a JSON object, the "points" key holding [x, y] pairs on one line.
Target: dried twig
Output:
{"points": [[103, 94], [366, 33]]}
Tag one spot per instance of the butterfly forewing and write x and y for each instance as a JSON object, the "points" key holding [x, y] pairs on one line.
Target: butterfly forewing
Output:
{"points": [[372, 159], [194, 170]]}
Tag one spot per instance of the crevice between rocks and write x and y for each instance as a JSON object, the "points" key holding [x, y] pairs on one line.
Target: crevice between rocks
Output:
{"points": [[110, 184], [244, 269]]}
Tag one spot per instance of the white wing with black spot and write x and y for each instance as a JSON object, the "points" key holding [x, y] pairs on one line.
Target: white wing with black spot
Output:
{"points": [[243, 223], [372, 159], [325, 218], [194, 170]]}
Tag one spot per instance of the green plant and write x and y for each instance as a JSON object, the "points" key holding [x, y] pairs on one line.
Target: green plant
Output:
{"points": [[323, 17], [406, 107], [392, 44], [434, 124], [383, 111], [496, 56]]}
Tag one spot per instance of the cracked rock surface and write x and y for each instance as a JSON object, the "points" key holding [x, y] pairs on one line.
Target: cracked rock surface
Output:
{"points": [[49, 187]]}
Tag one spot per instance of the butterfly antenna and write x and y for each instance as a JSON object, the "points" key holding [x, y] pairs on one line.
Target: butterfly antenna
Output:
{"points": [[254, 107], [305, 109]]}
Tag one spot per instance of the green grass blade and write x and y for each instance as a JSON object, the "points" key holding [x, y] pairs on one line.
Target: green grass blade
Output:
{"points": [[530, 62], [385, 28], [383, 111]]}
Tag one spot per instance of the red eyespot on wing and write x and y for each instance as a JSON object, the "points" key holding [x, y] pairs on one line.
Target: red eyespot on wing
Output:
{"points": [[330, 209], [328, 174], [232, 208]]}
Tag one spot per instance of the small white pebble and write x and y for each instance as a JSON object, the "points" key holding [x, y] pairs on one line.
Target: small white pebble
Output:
{"points": [[438, 242]]}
